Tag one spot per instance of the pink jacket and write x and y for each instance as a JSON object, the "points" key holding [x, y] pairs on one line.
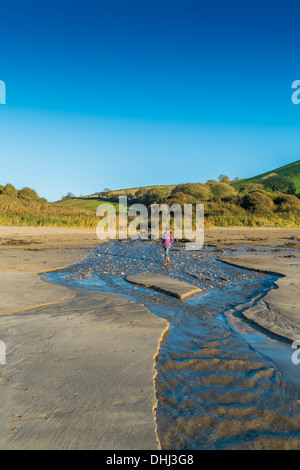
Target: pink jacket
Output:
{"points": [[167, 242]]}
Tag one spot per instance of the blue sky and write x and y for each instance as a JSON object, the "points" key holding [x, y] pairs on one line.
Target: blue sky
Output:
{"points": [[132, 93]]}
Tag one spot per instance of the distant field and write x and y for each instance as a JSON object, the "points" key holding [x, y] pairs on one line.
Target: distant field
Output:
{"points": [[82, 203], [120, 192]]}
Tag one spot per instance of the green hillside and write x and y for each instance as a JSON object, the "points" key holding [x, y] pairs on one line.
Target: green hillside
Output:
{"points": [[128, 191], [271, 199], [89, 203], [291, 171]]}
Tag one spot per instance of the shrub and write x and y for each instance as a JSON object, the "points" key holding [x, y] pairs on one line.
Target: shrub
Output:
{"points": [[180, 198], [220, 190], [257, 202], [43, 200], [154, 196], [250, 187], [28, 194], [232, 199], [288, 203], [271, 195], [150, 196], [199, 191], [10, 190], [140, 195]]}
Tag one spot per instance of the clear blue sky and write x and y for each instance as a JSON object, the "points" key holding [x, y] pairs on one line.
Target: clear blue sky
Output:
{"points": [[132, 93]]}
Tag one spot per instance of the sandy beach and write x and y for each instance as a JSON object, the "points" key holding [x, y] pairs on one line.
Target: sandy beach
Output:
{"points": [[80, 366]]}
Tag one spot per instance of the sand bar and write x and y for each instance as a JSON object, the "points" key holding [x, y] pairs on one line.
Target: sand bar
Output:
{"points": [[181, 290]]}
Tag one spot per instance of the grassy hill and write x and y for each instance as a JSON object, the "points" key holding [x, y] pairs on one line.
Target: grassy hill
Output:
{"points": [[128, 191], [237, 203], [89, 203], [291, 171], [38, 212]]}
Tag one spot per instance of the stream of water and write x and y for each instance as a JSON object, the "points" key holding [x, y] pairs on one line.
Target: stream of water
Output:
{"points": [[217, 387]]}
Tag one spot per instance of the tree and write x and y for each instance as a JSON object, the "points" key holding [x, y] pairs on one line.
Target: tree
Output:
{"points": [[280, 183], [69, 195], [223, 178]]}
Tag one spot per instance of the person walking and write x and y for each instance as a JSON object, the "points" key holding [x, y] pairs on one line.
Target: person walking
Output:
{"points": [[168, 239]]}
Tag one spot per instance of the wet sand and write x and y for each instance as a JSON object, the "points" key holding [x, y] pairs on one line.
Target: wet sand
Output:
{"points": [[278, 310], [80, 366]]}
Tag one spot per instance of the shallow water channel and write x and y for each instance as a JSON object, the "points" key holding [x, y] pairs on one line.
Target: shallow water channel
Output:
{"points": [[219, 385]]}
